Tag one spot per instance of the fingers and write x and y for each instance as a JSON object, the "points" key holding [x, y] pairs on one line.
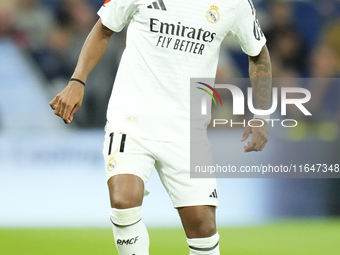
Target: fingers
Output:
{"points": [[256, 145], [66, 112], [57, 107], [251, 147], [53, 103], [264, 142], [62, 109], [247, 148], [68, 101], [258, 142], [75, 109], [246, 134]]}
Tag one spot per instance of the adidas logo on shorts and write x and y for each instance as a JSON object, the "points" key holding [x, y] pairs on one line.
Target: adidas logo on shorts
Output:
{"points": [[158, 5], [214, 194]]}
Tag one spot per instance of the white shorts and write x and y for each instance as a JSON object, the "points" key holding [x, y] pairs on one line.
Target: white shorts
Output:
{"points": [[129, 154]]}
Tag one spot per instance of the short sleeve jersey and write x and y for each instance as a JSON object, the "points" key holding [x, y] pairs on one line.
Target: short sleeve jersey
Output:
{"points": [[169, 42]]}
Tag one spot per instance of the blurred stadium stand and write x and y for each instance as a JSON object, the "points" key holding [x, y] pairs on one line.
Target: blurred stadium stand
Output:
{"points": [[23, 100]]}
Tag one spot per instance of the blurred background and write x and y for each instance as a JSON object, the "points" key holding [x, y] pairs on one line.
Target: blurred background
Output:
{"points": [[53, 175]]}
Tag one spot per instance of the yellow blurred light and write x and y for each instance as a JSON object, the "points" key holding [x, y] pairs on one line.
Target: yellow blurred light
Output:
{"points": [[328, 131]]}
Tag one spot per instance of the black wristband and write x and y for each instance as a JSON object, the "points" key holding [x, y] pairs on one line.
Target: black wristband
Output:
{"points": [[74, 79]]}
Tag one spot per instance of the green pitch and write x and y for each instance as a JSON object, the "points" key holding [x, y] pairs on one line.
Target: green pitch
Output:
{"points": [[289, 237]]}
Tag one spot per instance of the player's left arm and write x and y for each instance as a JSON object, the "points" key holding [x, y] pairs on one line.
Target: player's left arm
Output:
{"points": [[260, 73]]}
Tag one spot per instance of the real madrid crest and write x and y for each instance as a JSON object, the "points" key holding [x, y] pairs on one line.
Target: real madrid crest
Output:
{"points": [[112, 163], [213, 15]]}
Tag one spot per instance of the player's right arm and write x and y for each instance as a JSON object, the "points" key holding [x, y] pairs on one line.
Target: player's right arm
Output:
{"points": [[68, 101]]}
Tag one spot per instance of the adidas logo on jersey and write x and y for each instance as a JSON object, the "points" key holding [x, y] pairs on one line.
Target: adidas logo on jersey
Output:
{"points": [[214, 194], [158, 5]]}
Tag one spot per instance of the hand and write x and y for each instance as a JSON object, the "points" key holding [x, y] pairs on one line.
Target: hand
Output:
{"points": [[259, 137], [68, 101]]}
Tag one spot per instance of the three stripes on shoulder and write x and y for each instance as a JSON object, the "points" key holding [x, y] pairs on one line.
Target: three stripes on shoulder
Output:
{"points": [[158, 5]]}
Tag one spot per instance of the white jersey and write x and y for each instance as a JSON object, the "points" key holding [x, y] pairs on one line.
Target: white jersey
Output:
{"points": [[169, 42]]}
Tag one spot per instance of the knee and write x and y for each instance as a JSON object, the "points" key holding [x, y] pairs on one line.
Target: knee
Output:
{"points": [[203, 227], [198, 222], [120, 201], [126, 191]]}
